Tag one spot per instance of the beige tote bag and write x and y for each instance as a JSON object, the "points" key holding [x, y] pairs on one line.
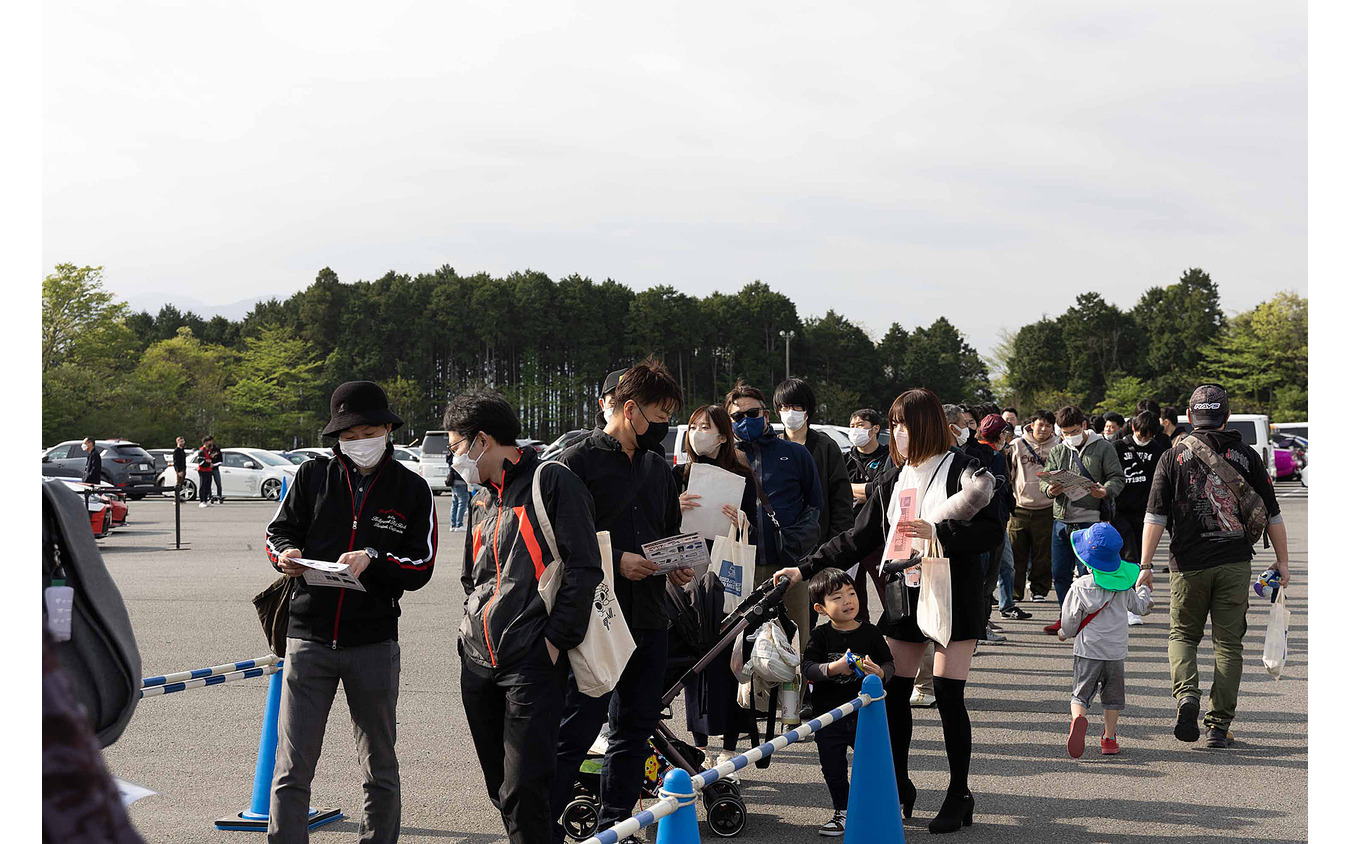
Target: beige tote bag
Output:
{"points": [[600, 659]]}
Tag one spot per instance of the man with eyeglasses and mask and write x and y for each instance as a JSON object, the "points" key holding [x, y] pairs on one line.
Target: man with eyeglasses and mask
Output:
{"points": [[367, 511], [512, 650], [637, 502]]}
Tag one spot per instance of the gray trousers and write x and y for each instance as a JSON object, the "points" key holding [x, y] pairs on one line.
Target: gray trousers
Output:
{"points": [[369, 675]]}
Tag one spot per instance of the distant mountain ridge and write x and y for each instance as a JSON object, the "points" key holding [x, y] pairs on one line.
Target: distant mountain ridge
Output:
{"points": [[153, 301]]}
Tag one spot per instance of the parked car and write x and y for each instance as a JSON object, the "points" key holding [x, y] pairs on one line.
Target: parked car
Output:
{"points": [[296, 457], [1291, 456], [56, 470], [1293, 429], [108, 494], [244, 473], [410, 459], [557, 447], [434, 464], [126, 465]]}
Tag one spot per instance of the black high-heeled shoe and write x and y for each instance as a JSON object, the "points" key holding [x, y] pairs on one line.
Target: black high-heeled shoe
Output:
{"points": [[955, 813], [908, 794]]}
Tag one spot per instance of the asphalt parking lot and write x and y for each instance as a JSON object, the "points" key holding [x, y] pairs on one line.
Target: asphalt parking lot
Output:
{"points": [[197, 749]]}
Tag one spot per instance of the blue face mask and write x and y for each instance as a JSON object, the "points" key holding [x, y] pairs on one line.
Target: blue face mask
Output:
{"points": [[750, 428]]}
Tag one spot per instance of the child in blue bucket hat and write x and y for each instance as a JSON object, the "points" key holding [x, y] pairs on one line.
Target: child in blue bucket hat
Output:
{"points": [[1094, 616]]}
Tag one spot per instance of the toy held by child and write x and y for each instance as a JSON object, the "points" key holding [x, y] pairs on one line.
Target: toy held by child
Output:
{"points": [[1095, 616], [839, 654]]}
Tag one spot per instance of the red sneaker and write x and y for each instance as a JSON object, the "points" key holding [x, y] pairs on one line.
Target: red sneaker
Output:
{"points": [[1077, 736], [1052, 629], [1110, 747]]}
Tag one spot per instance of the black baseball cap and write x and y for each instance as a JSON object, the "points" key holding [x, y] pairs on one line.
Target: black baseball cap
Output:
{"points": [[1208, 407], [612, 381]]}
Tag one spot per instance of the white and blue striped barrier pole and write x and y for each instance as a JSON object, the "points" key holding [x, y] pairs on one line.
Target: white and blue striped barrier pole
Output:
{"points": [[210, 680], [196, 674], [669, 803]]}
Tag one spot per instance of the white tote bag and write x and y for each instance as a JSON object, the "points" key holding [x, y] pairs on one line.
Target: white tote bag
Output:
{"points": [[733, 558], [601, 657], [1277, 637], [935, 594]]}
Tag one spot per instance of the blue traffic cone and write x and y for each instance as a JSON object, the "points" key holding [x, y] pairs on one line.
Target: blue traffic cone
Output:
{"points": [[681, 826], [873, 797], [282, 496]]}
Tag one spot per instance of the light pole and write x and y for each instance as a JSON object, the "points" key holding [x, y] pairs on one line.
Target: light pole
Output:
{"points": [[787, 351]]}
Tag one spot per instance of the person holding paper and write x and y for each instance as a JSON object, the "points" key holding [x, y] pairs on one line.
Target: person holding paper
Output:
{"points": [[710, 441], [623, 467], [513, 666], [954, 498], [365, 510]]}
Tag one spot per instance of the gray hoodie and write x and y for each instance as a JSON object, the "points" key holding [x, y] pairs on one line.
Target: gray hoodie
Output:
{"points": [[1107, 635]]}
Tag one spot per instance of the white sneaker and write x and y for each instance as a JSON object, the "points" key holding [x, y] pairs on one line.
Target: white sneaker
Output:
{"points": [[921, 698], [724, 757], [203, 505], [834, 827], [1038, 598], [1134, 619]]}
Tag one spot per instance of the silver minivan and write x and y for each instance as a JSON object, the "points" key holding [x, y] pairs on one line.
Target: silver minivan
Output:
{"points": [[435, 463]]}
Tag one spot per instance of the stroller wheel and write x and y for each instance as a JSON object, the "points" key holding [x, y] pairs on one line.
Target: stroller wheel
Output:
{"points": [[581, 818], [726, 817], [718, 790]]}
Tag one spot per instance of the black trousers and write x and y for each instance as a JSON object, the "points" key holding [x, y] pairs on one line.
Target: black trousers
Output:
{"points": [[1131, 527], [513, 713], [633, 709], [832, 744]]}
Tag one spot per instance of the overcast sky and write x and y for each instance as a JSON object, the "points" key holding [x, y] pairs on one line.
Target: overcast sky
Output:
{"points": [[893, 161]]}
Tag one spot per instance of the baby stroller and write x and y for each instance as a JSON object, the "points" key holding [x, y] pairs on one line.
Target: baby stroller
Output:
{"points": [[722, 800]]}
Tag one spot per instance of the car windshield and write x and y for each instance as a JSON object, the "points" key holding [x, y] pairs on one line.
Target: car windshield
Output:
{"points": [[296, 457], [1248, 429], [436, 443], [132, 451], [267, 458]]}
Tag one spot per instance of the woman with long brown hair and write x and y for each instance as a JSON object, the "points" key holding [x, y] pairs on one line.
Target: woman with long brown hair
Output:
{"points": [[955, 506]]}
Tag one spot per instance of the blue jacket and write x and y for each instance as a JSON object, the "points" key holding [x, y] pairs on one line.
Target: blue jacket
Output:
{"points": [[787, 472]]}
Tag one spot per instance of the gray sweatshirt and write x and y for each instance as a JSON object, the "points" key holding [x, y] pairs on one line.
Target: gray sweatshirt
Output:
{"points": [[1107, 635]]}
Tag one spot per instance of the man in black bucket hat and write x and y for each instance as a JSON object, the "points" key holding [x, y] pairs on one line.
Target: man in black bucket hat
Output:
{"points": [[367, 511]]}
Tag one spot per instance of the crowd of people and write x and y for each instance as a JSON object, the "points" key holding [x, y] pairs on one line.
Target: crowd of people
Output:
{"points": [[992, 495]]}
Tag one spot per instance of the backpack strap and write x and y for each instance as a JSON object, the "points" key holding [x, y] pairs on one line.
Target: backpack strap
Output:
{"points": [[1217, 464]]}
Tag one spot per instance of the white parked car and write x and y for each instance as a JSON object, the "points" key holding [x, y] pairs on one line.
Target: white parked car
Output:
{"points": [[434, 467], [1255, 428], [244, 473]]}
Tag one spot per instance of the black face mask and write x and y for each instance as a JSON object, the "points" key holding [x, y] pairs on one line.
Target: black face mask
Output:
{"points": [[654, 436]]}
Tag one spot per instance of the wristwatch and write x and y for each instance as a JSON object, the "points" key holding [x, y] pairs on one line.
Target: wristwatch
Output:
{"points": [[1148, 567], [372, 554]]}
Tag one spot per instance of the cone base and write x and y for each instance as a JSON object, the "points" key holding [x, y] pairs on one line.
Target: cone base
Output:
{"points": [[245, 822]]}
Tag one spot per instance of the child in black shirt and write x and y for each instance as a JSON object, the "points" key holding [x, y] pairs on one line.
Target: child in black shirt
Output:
{"points": [[835, 682]]}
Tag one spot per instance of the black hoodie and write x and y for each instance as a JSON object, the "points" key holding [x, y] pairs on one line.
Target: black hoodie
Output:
{"points": [[1139, 463], [1205, 521]]}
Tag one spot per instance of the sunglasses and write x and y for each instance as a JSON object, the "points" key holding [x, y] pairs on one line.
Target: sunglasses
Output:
{"points": [[753, 413]]}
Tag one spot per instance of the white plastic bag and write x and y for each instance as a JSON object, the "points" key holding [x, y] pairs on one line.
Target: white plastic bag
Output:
{"points": [[773, 659], [935, 595], [733, 558], [1277, 637]]}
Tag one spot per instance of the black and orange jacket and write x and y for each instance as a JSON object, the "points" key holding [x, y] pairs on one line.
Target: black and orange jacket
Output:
{"points": [[318, 515], [506, 554]]}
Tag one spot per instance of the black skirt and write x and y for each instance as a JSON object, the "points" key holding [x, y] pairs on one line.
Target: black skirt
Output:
{"points": [[969, 610]]}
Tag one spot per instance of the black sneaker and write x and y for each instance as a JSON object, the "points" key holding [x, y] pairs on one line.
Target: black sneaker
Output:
{"points": [[1188, 715], [1016, 614], [834, 827], [1218, 737]]}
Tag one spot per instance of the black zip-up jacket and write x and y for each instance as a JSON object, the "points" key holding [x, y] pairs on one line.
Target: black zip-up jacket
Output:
{"points": [[504, 615], [1139, 462], [995, 462], [962, 541], [837, 514], [865, 469], [93, 466], [637, 502], [318, 515]]}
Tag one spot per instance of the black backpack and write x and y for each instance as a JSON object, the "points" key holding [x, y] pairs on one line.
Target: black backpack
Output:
{"points": [[101, 656]]}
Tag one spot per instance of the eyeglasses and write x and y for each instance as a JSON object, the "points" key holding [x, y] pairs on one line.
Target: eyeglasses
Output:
{"points": [[451, 449], [752, 413]]}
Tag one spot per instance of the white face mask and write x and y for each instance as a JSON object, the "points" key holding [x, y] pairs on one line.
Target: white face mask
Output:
{"points": [[1138, 441], [793, 420], [901, 440], [962, 434], [467, 467], [859, 436], [1076, 440], [608, 413], [367, 453], [705, 443]]}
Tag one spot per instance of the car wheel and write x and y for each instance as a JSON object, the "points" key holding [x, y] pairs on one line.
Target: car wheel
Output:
{"points": [[271, 489], [188, 491]]}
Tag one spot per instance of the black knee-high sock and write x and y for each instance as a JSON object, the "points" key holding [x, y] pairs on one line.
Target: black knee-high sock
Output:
{"points": [[900, 724], [951, 704]]}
